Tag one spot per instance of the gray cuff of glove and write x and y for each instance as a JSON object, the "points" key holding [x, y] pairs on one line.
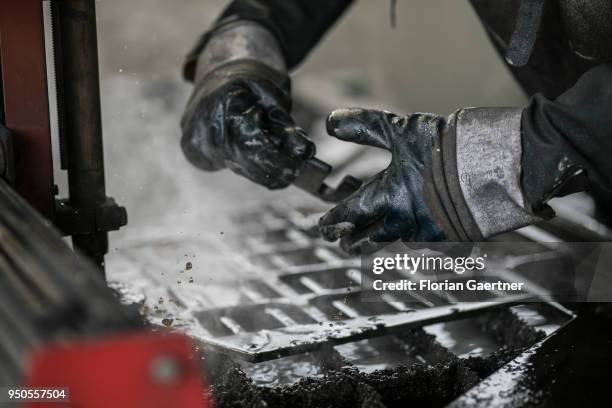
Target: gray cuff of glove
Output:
{"points": [[488, 157], [240, 40]]}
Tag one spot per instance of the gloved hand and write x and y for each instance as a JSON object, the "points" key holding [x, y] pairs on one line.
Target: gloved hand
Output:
{"points": [[392, 205], [238, 116], [449, 179]]}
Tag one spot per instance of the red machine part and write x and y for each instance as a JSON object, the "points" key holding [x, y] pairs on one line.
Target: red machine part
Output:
{"points": [[138, 370], [26, 102]]}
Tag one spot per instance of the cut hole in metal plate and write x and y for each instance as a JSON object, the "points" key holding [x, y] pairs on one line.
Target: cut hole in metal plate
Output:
{"points": [[308, 298], [314, 299]]}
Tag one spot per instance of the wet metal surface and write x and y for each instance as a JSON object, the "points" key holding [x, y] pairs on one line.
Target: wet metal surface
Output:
{"points": [[283, 371], [568, 369], [301, 294], [270, 291]]}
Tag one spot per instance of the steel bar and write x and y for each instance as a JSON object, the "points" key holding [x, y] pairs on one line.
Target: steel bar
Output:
{"points": [[82, 125]]}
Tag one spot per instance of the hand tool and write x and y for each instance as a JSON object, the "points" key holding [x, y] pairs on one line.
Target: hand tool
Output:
{"points": [[312, 180]]}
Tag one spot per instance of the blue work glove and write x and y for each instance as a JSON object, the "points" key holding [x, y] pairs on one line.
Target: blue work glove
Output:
{"points": [[450, 179]]}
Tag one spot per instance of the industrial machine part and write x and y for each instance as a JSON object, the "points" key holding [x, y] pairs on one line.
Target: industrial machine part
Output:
{"points": [[59, 319], [60, 324], [156, 370], [312, 180], [88, 214]]}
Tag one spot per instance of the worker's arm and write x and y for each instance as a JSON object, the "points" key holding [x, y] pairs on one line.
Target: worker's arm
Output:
{"points": [[479, 172], [239, 115], [298, 25], [570, 133]]}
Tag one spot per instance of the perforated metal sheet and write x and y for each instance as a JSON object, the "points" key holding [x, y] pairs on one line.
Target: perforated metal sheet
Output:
{"points": [[298, 293]]}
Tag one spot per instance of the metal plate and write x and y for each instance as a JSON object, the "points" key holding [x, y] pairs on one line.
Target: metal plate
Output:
{"points": [[305, 294]]}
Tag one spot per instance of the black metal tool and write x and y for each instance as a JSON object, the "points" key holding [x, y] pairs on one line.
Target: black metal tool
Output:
{"points": [[88, 215], [312, 179]]}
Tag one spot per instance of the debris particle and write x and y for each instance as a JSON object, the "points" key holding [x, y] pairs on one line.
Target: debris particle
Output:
{"points": [[167, 322], [191, 280], [161, 301], [188, 266], [178, 281]]}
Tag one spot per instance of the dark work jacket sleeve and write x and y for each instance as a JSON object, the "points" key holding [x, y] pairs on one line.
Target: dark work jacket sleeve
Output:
{"points": [[297, 24], [570, 133]]}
